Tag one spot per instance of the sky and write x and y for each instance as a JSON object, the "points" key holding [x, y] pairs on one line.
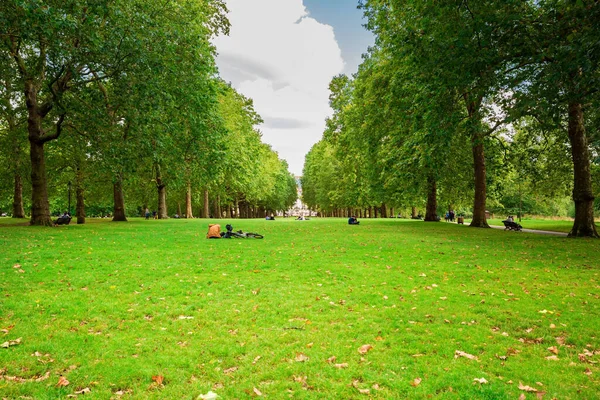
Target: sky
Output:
{"points": [[283, 54]]}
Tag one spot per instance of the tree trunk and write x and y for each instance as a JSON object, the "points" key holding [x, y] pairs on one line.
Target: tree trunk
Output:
{"points": [[375, 209], [392, 214], [206, 210], [477, 138], [17, 209], [162, 195], [179, 209], [414, 212], [188, 202], [237, 208], [228, 211], [431, 210], [119, 200], [80, 200], [40, 207], [384, 213], [583, 195]]}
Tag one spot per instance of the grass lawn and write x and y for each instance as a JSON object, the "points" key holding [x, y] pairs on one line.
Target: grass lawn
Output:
{"points": [[118, 308]]}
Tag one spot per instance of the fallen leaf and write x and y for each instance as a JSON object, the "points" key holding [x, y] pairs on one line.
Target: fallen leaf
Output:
{"points": [[301, 357], [377, 387], [379, 339], [256, 359], [459, 353], [340, 366], [257, 392], [364, 349], [553, 350], [230, 370], [540, 395], [331, 359], [588, 372], [300, 379], [84, 391], [552, 358], [310, 345], [522, 396], [62, 381], [415, 382], [159, 379], [208, 396], [11, 343], [560, 340], [480, 380], [364, 391], [552, 326], [185, 317], [527, 388]]}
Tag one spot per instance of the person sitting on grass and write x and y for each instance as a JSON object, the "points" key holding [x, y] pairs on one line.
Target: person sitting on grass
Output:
{"points": [[353, 221]]}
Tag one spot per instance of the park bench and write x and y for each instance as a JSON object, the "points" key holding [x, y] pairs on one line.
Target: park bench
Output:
{"points": [[512, 226]]}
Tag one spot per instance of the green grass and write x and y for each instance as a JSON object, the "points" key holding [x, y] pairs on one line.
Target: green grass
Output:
{"points": [[109, 306]]}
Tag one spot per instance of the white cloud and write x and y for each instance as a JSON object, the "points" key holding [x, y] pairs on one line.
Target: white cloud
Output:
{"points": [[284, 60]]}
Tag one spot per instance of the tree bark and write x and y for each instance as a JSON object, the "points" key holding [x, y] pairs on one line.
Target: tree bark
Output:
{"points": [[218, 207], [188, 201], [162, 194], [384, 213], [17, 209], [477, 137], [80, 199], [40, 207], [431, 209], [583, 195], [414, 212], [206, 210], [119, 200]]}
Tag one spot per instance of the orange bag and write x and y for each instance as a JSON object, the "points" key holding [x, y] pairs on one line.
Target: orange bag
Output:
{"points": [[214, 231]]}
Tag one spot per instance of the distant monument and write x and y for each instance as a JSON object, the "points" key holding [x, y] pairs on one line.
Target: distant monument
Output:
{"points": [[299, 208]]}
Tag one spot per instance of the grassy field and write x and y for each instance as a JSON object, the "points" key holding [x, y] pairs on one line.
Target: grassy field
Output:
{"points": [[318, 309]]}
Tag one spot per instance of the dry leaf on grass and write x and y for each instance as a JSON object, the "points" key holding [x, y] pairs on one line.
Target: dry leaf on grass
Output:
{"points": [[230, 370], [588, 372], [208, 396], [365, 348], [301, 357], [62, 381], [527, 388], [415, 382], [459, 353], [10, 343], [257, 392], [552, 358], [553, 350], [331, 359], [341, 366], [480, 380], [158, 379]]}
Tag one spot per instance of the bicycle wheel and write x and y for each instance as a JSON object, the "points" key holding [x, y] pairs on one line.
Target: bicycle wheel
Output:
{"points": [[254, 235]]}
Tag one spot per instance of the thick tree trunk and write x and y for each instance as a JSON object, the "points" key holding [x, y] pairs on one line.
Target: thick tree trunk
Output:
{"points": [[80, 200], [237, 208], [479, 220], [179, 209], [414, 212], [17, 209], [583, 195], [206, 209], [40, 207], [384, 213], [119, 200], [188, 202], [392, 214], [219, 209], [162, 195], [477, 139], [431, 210]]}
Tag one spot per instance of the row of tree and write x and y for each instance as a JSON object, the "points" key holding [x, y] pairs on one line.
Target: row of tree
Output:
{"points": [[122, 98], [466, 102]]}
